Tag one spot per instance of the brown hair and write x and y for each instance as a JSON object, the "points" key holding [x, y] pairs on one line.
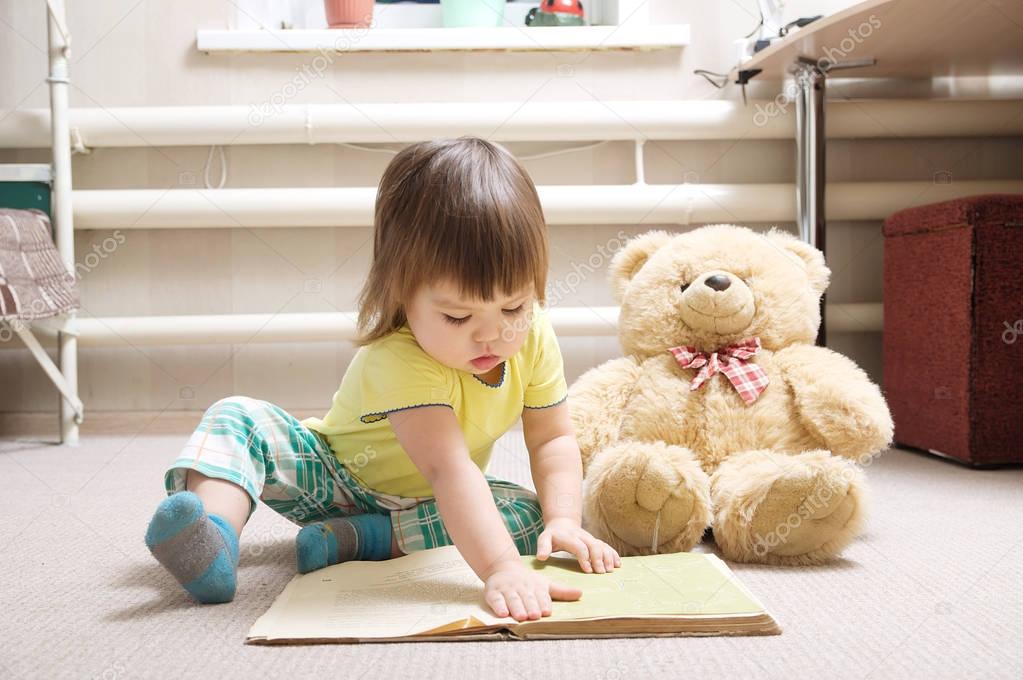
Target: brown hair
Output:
{"points": [[463, 209]]}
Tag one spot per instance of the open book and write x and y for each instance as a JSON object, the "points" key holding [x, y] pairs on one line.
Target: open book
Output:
{"points": [[433, 595]]}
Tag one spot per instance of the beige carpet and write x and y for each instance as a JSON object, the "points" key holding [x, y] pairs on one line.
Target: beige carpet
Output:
{"points": [[933, 589]]}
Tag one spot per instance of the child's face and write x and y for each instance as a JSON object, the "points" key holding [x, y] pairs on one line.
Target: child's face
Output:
{"points": [[456, 331]]}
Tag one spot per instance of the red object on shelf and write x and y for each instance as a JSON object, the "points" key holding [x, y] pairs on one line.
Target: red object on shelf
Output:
{"points": [[573, 7], [953, 327]]}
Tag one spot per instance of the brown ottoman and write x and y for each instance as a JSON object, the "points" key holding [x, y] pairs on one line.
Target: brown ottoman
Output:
{"points": [[953, 327]]}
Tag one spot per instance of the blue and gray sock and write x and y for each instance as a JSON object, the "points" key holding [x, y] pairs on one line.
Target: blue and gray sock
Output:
{"points": [[357, 537], [199, 550]]}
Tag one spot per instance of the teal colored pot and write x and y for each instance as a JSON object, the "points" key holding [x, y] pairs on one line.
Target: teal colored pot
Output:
{"points": [[472, 12]]}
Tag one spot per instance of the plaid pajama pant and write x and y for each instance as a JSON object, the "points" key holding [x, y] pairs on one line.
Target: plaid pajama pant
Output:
{"points": [[292, 469]]}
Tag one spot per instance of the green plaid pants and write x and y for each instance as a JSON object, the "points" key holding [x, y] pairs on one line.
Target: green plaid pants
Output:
{"points": [[292, 469]]}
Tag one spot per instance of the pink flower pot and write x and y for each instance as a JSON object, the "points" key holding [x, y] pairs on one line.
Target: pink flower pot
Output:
{"points": [[348, 13]]}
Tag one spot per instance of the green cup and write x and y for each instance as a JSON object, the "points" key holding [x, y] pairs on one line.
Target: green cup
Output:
{"points": [[472, 12]]}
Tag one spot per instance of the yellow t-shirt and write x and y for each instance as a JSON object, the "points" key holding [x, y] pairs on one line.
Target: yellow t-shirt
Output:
{"points": [[395, 373]]}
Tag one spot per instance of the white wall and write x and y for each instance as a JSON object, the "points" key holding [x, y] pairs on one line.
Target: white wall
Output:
{"points": [[130, 53]]}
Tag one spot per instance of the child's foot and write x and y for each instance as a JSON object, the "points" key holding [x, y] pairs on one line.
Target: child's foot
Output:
{"points": [[199, 550], [358, 537]]}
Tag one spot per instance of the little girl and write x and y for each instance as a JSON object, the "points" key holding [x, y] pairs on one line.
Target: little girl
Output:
{"points": [[454, 347]]}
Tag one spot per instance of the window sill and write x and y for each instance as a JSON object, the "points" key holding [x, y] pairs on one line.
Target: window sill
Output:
{"points": [[503, 38]]}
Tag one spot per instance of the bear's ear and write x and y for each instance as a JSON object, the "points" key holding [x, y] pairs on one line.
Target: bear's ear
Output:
{"points": [[627, 262], [811, 259]]}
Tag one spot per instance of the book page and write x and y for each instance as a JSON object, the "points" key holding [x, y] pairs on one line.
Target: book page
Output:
{"points": [[694, 584], [367, 599]]}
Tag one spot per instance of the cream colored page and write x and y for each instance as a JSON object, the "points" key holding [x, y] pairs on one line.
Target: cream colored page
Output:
{"points": [[649, 585], [391, 598]]}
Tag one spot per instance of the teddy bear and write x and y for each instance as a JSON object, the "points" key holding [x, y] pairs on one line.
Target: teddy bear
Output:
{"points": [[723, 414]]}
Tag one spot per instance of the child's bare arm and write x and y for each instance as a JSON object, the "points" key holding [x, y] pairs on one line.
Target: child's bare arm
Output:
{"points": [[556, 465], [432, 438], [555, 462]]}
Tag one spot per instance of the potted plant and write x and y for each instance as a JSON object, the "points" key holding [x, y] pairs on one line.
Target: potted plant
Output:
{"points": [[348, 13]]}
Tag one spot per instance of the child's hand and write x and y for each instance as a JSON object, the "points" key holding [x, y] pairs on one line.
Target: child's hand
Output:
{"points": [[565, 534], [523, 592]]}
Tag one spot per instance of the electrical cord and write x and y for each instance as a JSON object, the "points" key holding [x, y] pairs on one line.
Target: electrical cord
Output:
{"points": [[719, 80], [759, 23], [545, 154], [707, 76], [798, 23], [223, 168], [223, 158], [558, 152]]}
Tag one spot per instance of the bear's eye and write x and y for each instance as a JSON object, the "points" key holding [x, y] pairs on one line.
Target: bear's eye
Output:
{"points": [[683, 287]]}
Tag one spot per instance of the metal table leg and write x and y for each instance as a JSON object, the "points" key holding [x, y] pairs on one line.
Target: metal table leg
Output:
{"points": [[810, 75], [810, 179]]}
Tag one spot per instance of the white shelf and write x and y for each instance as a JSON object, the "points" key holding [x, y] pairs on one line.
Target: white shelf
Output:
{"points": [[26, 172], [503, 38]]}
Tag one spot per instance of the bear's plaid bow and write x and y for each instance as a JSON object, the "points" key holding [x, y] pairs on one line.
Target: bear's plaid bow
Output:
{"points": [[748, 379]]}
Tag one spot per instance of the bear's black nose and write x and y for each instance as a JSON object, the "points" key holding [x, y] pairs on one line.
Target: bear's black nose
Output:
{"points": [[718, 282]]}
